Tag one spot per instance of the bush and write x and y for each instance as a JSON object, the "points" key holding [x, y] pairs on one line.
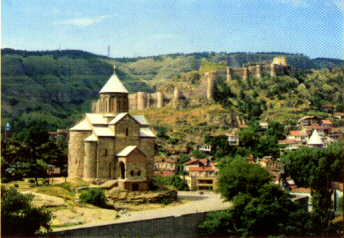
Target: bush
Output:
{"points": [[17, 212], [160, 182], [94, 196], [177, 182]]}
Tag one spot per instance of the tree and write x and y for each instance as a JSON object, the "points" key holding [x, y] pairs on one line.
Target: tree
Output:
{"points": [[317, 168], [19, 218], [219, 145], [276, 129], [238, 176], [177, 182], [259, 207]]}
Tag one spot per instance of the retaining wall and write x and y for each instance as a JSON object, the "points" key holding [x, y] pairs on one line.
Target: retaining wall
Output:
{"points": [[184, 226]]}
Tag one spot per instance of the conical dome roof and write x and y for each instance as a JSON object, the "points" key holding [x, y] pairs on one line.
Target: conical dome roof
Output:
{"points": [[315, 139], [113, 85]]}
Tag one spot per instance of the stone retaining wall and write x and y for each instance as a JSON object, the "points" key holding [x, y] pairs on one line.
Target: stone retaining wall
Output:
{"points": [[185, 226]]}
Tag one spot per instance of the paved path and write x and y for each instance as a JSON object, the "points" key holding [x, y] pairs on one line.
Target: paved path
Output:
{"points": [[197, 203], [205, 202]]}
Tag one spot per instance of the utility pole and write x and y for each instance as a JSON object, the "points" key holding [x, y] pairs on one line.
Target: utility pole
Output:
{"points": [[108, 51]]}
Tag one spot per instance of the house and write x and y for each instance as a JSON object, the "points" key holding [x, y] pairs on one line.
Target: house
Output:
{"points": [[329, 108], [111, 144], [309, 120], [298, 135], [326, 123], [290, 144], [201, 174], [264, 125], [165, 166], [233, 139], [205, 148], [322, 130]]}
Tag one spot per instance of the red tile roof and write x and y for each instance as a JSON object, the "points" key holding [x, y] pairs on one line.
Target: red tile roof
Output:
{"points": [[326, 122], [317, 127], [297, 133], [328, 106], [166, 160], [195, 161], [201, 169]]}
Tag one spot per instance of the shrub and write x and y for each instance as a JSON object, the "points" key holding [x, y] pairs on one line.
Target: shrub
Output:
{"points": [[94, 196], [177, 182], [17, 212]]}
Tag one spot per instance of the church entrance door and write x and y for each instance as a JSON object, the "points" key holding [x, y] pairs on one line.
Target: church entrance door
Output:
{"points": [[122, 168], [135, 187]]}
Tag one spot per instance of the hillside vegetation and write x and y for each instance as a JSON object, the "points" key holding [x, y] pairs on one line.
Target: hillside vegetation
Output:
{"points": [[57, 87]]}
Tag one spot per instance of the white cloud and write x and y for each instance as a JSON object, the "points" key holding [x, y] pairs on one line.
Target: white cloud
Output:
{"points": [[82, 22], [295, 3]]}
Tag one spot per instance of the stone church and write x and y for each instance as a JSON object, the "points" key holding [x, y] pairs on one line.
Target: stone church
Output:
{"points": [[111, 144]]}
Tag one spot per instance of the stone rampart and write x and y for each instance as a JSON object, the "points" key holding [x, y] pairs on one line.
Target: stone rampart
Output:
{"points": [[141, 100]]}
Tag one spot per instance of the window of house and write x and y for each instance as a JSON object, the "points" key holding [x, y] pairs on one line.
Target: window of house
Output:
{"points": [[127, 132], [132, 173], [139, 173]]}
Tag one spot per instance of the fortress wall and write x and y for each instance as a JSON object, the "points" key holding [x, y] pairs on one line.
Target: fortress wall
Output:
{"points": [[76, 152], [163, 227], [160, 99], [132, 101], [141, 100]]}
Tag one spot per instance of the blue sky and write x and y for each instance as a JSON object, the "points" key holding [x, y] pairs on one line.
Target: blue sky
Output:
{"points": [[152, 27]]}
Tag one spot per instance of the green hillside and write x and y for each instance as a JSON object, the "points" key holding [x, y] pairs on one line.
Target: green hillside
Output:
{"points": [[58, 86]]}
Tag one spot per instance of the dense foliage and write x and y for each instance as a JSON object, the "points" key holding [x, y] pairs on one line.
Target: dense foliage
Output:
{"points": [[317, 168], [253, 140], [30, 152], [95, 196], [19, 218], [161, 182], [283, 98], [259, 207]]}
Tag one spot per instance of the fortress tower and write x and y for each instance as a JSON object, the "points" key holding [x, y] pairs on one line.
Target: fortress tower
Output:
{"points": [[141, 100], [229, 73], [211, 76], [176, 96], [160, 99], [245, 73], [258, 71]]}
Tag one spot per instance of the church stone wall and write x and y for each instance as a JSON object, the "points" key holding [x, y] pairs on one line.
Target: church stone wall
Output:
{"points": [[106, 154], [76, 152], [147, 147], [136, 166], [90, 161]]}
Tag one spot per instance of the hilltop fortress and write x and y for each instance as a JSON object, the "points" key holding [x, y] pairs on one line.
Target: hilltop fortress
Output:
{"points": [[177, 97]]}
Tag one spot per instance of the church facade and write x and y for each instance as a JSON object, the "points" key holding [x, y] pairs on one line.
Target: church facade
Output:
{"points": [[111, 144]]}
